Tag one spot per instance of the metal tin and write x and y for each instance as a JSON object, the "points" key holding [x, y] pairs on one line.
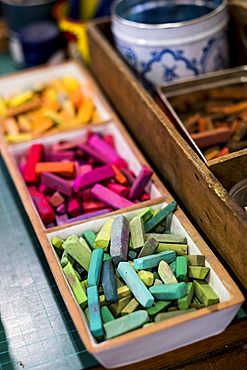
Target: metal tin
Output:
{"points": [[229, 77]]}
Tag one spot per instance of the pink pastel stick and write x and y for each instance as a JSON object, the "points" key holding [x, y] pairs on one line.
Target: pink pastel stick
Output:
{"points": [[93, 153], [44, 209], [56, 199], [140, 182], [59, 156], [109, 139], [74, 208], [103, 148], [57, 183], [61, 219], [91, 177], [61, 209], [110, 198], [144, 197], [84, 168], [119, 189], [120, 163]]}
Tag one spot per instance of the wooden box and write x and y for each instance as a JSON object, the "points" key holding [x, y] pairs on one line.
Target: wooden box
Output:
{"points": [[194, 182]]}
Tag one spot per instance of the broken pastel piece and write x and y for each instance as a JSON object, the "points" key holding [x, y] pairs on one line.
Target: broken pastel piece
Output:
{"points": [[205, 293], [106, 314], [154, 221], [119, 239], [137, 233], [198, 272], [110, 198], [135, 284], [90, 237], [166, 273], [75, 285], [149, 247], [140, 182], [146, 214], [104, 236], [95, 265], [95, 323]]}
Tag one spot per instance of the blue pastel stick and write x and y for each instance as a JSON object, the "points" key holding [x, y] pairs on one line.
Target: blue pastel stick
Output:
{"points": [[94, 270], [153, 260], [109, 281], [96, 326], [138, 288], [119, 240]]}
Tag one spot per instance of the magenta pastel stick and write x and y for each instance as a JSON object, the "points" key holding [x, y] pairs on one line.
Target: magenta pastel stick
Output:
{"points": [[84, 168], [110, 198], [90, 215], [120, 163], [66, 145], [119, 189], [103, 148], [61, 219], [92, 177], [59, 156], [93, 153], [74, 208], [84, 195], [61, 209], [140, 182], [109, 139], [57, 183]]}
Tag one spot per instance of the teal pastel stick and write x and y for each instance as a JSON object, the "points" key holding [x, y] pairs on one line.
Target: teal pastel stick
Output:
{"points": [[90, 237], [153, 260], [166, 292], [138, 288], [96, 326], [94, 270], [155, 220], [125, 323]]}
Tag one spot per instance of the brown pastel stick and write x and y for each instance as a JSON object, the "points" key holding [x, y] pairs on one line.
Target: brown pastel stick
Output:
{"points": [[212, 137]]}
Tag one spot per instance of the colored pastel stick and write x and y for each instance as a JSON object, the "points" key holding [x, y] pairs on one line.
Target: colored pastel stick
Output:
{"points": [[166, 292], [168, 238], [140, 182], [95, 323], [104, 236], [75, 285], [64, 169], [119, 239], [125, 323], [198, 272], [130, 307], [129, 175], [90, 237], [102, 147], [158, 306], [184, 303], [168, 315], [106, 314], [89, 215], [137, 233], [57, 183], [94, 270], [180, 249], [59, 156], [181, 268], [57, 242], [196, 260], [146, 214], [92, 177], [147, 277], [154, 221], [73, 207], [61, 219], [66, 258], [110, 198], [61, 209], [119, 177], [138, 288], [119, 189], [149, 247], [93, 153], [45, 211], [80, 253], [109, 281], [56, 199], [153, 260], [34, 155], [166, 273]]}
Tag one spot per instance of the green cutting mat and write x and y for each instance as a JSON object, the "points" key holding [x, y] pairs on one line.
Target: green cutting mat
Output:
{"points": [[36, 330]]}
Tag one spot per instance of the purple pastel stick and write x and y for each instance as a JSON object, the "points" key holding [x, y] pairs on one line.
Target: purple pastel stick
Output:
{"points": [[129, 176], [51, 224], [57, 183], [92, 177], [119, 239], [110, 198], [59, 156], [61, 209], [93, 153], [102, 147], [140, 182], [61, 219], [89, 215]]}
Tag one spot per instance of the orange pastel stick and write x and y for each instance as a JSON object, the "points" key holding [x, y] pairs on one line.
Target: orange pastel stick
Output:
{"points": [[64, 169], [119, 177]]}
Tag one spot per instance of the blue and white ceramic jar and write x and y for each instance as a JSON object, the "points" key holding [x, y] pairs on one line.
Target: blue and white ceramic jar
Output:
{"points": [[167, 40]]}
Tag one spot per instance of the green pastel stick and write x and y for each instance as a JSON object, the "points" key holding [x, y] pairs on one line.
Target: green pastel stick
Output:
{"points": [[196, 260], [104, 236], [205, 293], [154, 221], [80, 253], [75, 285], [146, 214], [173, 266], [106, 314], [168, 221], [168, 238], [198, 272], [96, 325], [149, 247], [137, 233], [132, 255], [158, 306], [71, 238], [153, 260], [66, 258], [57, 242], [106, 257], [90, 237], [138, 288], [126, 323], [167, 292], [181, 268], [168, 315], [94, 270], [184, 303], [180, 249], [84, 243], [84, 285]]}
